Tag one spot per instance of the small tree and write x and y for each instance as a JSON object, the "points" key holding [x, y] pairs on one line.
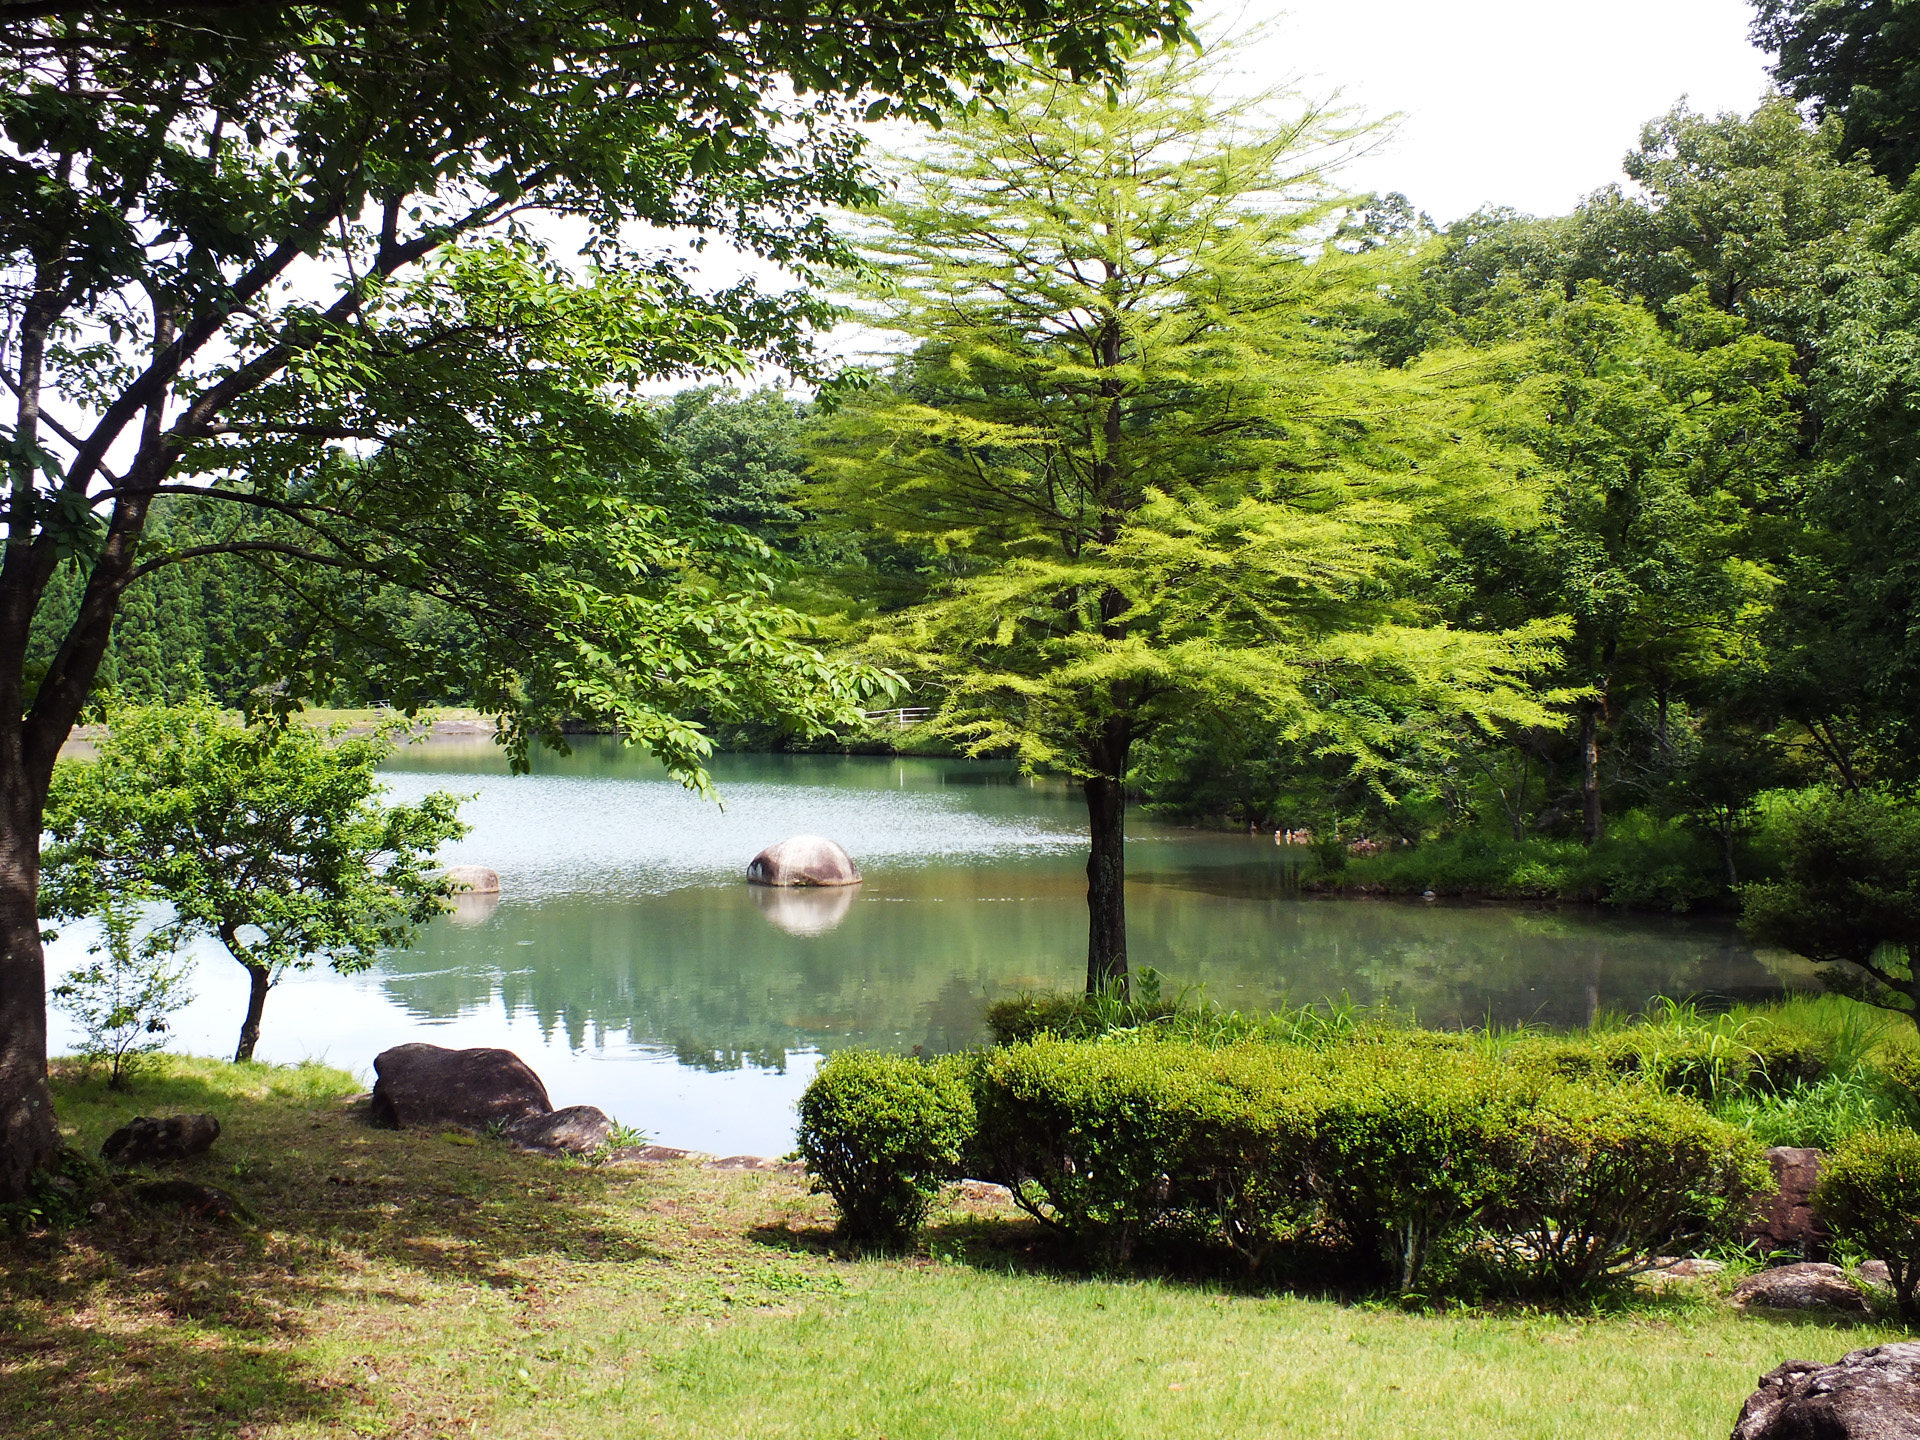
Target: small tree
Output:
{"points": [[123, 997], [274, 840], [1848, 897]]}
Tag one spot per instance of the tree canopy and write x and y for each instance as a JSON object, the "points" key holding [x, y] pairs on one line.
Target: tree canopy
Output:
{"points": [[1163, 485], [277, 261]]}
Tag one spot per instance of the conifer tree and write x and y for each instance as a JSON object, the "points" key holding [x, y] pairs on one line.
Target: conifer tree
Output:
{"points": [[1160, 480]]}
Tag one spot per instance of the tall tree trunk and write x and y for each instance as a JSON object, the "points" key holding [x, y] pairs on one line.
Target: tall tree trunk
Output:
{"points": [[28, 1136], [256, 1002], [1106, 884], [1593, 820], [1106, 792]]}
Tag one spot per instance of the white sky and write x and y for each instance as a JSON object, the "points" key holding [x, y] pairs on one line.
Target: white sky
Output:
{"points": [[1526, 103]]}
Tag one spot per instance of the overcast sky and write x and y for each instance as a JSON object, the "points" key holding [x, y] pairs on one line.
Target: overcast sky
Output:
{"points": [[1527, 103]]}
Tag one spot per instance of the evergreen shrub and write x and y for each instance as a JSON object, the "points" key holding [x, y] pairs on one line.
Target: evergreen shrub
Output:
{"points": [[1869, 1196], [1412, 1142], [882, 1133], [1605, 1179], [1109, 1141]]}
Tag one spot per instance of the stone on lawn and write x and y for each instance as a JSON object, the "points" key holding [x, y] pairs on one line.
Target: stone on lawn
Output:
{"points": [[1785, 1219], [1868, 1395], [150, 1139], [575, 1130], [1808, 1286], [426, 1087], [803, 860]]}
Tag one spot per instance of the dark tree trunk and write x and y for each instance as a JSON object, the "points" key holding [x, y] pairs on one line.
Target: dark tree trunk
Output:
{"points": [[256, 1002], [1107, 856], [1593, 820], [1106, 884], [28, 1136]]}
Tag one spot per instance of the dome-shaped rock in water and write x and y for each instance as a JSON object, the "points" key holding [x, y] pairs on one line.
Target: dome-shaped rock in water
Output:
{"points": [[473, 880], [803, 860], [810, 911]]}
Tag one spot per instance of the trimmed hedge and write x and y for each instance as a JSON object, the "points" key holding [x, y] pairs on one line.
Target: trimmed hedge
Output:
{"points": [[1605, 1180], [1410, 1144], [882, 1133], [1108, 1142], [1869, 1195], [1404, 1152]]}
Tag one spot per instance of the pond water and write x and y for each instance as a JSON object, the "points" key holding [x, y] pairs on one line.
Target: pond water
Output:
{"points": [[628, 961]]}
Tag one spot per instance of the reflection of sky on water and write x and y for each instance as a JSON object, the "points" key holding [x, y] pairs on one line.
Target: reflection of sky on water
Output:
{"points": [[553, 835], [631, 964]]}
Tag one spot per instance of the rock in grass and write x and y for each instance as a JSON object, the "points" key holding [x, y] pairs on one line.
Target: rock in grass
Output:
{"points": [[429, 1087], [803, 860], [152, 1139], [1785, 1219], [575, 1130], [1868, 1395], [204, 1202], [1802, 1287]]}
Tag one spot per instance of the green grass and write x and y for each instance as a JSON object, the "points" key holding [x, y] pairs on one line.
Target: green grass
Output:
{"points": [[402, 1285]]}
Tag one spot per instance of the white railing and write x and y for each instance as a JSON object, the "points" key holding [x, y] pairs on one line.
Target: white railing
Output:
{"points": [[903, 717]]}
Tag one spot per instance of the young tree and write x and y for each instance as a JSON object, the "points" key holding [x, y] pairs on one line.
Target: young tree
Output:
{"points": [[245, 248], [271, 839], [1159, 483], [124, 994]]}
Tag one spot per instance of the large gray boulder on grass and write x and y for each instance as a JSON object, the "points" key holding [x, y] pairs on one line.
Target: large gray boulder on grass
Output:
{"points": [[428, 1086], [151, 1139], [803, 860], [1868, 1395]]}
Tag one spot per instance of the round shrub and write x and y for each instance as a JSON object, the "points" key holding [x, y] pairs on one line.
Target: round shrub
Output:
{"points": [[1869, 1196], [1605, 1179], [881, 1133], [1410, 1144], [1109, 1141]]}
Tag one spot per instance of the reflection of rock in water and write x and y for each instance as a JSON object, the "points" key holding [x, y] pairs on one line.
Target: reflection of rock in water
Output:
{"points": [[471, 908], [809, 911]]}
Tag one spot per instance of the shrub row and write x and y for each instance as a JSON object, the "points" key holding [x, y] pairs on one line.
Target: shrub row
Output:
{"points": [[1401, 1154]]}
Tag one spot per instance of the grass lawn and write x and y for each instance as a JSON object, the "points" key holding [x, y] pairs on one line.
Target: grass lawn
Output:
{"points": [[421, 1285]]}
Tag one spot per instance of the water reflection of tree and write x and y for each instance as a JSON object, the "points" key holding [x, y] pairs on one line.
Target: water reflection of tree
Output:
{"points": [[702, 974]]}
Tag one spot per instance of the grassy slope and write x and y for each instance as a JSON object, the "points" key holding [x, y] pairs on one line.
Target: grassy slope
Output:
{"points": [[411, 1285]]}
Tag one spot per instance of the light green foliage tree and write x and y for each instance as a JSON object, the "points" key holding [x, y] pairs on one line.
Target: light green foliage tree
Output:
{"points": [[122, 996], [1158, 485], [272, 840], [270, 260]]}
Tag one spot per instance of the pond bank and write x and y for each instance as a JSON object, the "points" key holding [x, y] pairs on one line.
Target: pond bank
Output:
{"points": [[398, 1284]]}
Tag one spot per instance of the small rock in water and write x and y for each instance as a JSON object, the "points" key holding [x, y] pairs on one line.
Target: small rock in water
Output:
{"points": [[474, 880], [1867, 1395], [803, 860], [150, 1139]]}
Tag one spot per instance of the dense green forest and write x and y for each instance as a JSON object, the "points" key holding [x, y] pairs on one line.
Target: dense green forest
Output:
{"points": [[1672, 430]]}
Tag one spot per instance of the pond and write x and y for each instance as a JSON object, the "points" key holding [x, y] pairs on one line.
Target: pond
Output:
{"points": [[628, 961]]}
